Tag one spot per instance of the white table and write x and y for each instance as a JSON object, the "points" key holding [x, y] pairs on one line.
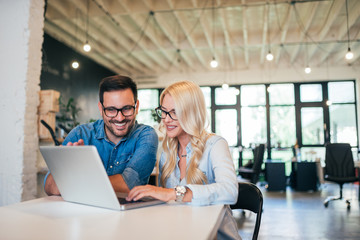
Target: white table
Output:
{"points": [[53, 218]]}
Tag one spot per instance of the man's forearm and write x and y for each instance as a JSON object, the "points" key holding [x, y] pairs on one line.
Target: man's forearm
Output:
{"points": [[118, 183], [51, 187]]}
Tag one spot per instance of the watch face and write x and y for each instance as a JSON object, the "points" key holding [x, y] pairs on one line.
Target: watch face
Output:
{"points": [[180, 190]]}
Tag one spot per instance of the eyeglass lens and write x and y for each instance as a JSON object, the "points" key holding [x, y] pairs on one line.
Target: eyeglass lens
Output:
{"points": [[126, 111], [162, 114]]}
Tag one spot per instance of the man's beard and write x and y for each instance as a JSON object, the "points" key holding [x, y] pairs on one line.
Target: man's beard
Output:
{"points": [[112, 129]]}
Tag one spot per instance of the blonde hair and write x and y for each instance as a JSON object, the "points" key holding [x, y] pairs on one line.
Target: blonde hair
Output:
{"points": [[191, 112]]}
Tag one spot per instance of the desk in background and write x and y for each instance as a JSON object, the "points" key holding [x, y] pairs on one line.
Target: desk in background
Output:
{"points": [[53, 218], [275, 175], [304, 176]]}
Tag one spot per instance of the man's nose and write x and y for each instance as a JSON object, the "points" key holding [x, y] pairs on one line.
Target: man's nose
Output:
{"points": [[120, 117]]}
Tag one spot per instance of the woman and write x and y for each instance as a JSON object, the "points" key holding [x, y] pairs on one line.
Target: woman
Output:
{"points": [[195, 166]]}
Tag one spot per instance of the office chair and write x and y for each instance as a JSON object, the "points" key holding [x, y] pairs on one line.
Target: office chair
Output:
{"points": [[250, 198], [253, 173], [339, 168]]}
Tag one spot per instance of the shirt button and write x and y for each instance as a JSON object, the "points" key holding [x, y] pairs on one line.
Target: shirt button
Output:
{"points": [[110, 166], [117, 162]]}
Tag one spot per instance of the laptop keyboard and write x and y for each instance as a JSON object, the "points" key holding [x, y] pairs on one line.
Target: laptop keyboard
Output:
{"points": [[124, 201]]}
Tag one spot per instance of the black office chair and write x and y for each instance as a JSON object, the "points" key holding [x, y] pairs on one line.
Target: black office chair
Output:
{"points": [[250, 198], [339, 168], [253, 173]]}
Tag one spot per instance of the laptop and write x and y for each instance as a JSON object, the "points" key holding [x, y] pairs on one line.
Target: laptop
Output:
{"points": [[81, 178]]}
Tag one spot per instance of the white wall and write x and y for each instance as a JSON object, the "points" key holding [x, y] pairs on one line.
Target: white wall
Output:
{"points": [[21, 28], [254, 76]]}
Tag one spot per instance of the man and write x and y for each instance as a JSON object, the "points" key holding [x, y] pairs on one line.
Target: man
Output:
{"points": [[127, 149]]}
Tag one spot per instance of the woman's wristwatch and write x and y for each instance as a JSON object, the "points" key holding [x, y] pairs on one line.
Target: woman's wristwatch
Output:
{"points": [[180, 193]]}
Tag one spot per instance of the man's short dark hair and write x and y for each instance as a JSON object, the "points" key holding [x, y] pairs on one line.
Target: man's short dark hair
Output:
{"points": [[114, 83]]}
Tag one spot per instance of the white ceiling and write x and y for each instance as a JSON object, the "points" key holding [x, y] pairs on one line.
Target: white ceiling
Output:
{"points": [[147, 38]]}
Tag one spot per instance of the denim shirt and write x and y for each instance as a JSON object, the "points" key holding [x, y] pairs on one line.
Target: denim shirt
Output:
{"points": [[133, 157], [216, 163]]}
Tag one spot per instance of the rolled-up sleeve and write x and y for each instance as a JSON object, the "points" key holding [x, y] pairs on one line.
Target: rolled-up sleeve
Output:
{"points": [[142, 162], [225, 188]]}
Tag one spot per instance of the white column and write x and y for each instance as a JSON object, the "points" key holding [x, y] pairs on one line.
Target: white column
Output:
{"points": [[21, 28]]}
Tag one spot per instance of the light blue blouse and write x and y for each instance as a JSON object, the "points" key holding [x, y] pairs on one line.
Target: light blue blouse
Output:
{"points": [[216, 163]]}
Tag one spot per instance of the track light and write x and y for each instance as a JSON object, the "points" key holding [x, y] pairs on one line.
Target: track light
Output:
{"points": [[87, 47], [75, 64], [269, 56], [214, 63], [349, 55], [307, 70]]}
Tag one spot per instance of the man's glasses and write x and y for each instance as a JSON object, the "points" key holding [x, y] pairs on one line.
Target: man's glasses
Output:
{"points": [[162, 114], [126, 111]]}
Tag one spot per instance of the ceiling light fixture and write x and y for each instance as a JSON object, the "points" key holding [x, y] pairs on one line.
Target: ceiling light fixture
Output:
{"points": [[75, 64], [225, 86], [307, 68], [349, 55], [87, 47], [213, 63], [269, 56]]}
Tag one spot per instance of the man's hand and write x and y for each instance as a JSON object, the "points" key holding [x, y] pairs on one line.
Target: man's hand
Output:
{"points": [[51, 187], [78, 143]]}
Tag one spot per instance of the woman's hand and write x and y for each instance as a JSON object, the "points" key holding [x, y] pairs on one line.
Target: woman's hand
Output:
{"points": [[163, 194]]}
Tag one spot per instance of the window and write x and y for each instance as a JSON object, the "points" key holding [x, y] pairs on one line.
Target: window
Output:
{"points": [[312, 125], [282, 115], [253, 125], [226, 125], [253, 115], [342, 113], [282, 126], [341, 92], [253, 95], [207, 95], [311, 93], [281, 94], [225, 96], [148, 101]]}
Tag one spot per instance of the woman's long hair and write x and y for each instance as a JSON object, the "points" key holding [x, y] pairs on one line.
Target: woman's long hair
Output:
{"points": [[191, 112]]}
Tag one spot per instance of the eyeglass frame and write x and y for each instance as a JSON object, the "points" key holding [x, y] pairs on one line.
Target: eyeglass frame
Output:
{"points": [[118, 110], [166, 113]]}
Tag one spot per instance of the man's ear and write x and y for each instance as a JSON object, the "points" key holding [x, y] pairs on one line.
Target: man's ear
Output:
{"points": [[100, 108], [137, 106]]}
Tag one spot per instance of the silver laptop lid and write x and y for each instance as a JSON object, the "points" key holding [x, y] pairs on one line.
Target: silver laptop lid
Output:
{"points": [[80, 175]]}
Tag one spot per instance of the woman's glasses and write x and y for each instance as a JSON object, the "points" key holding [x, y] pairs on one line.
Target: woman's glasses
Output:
{"points": [[162, 113]]}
